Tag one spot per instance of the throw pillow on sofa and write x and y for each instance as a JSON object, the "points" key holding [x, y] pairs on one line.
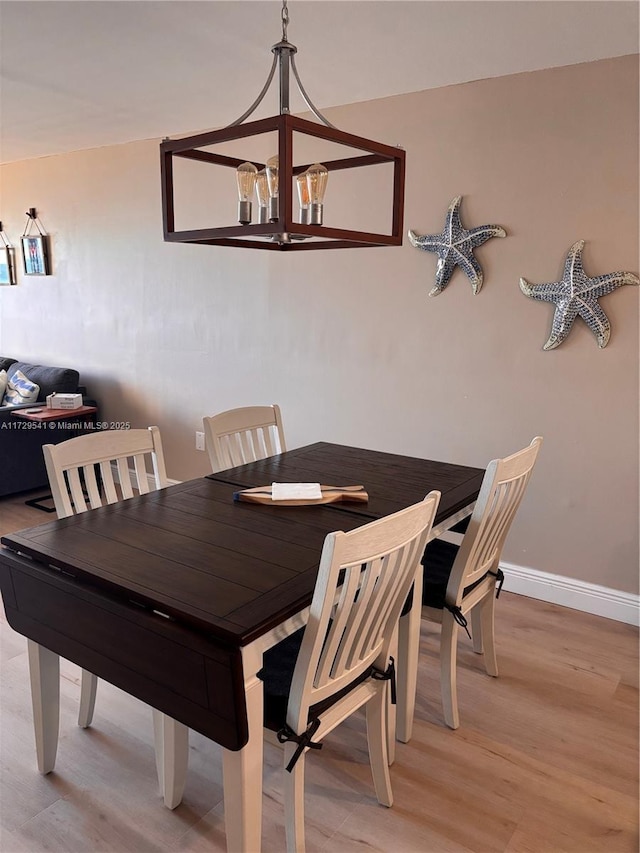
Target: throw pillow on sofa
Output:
{"points": [[20, 390], [3, 384], [62, 380]]}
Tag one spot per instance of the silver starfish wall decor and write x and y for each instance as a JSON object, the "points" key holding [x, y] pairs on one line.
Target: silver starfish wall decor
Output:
{"points": [[577, 294], [454, 248]]}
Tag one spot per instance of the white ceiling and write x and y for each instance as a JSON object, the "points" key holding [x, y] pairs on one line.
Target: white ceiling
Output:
{"points": [[85, 73]]}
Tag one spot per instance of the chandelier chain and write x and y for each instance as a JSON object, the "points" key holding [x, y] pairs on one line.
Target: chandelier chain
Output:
{"points": [[285, 19]]}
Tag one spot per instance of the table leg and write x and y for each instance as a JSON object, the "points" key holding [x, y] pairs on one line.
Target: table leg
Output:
{"points": [[407, 663], [44, 673], [172, 757], [242, 770]]}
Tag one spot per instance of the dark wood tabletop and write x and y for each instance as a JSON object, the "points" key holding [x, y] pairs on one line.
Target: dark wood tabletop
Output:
{"points": [[393, 482], [158, 593]]}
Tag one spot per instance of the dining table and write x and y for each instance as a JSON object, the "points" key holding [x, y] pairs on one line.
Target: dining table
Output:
{"points": [[174, 596]]}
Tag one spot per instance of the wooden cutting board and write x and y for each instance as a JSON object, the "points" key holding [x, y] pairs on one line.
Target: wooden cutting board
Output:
{"points": [[330, 494]]}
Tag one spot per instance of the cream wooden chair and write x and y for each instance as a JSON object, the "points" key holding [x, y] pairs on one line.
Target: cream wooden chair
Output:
{"points": [[71, 468], [243, 435], [461, 580], [340, 661]]}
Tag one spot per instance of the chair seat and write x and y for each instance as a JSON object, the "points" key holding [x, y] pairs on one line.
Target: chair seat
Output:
{"points": [[438, 559], [277, 675]]}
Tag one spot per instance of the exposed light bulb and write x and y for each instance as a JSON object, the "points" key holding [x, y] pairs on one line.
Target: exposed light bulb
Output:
{"points": [[272, 169], [246, 178], [262, 192], [317, 177], [303, 198]]}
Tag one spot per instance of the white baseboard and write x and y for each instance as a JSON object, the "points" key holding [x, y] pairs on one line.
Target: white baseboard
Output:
{"points": [[568, 592]]}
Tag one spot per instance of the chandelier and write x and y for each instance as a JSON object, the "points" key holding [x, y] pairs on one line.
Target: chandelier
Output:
{"points": [[280, 201]]}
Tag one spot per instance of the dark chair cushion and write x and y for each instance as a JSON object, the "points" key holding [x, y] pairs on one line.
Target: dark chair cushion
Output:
{"points": [[63, 380], [277, 674], [438, 559]]}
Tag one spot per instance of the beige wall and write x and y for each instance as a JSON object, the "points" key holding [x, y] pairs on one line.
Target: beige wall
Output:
{"points": [[348, 341]]}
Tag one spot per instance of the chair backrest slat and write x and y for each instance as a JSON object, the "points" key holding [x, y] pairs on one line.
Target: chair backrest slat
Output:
{"points": [[243, 435], [250, 445], [71, 468], [350, 584], [412, 554], [75, 490], [108, 483], [124, 478], [142, 481], [91, 486], [501, 494], [364, 612], [269, 445], [363, 581]]}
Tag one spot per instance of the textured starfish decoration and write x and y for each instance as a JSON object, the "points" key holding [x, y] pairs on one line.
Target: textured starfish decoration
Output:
{"points": [[578, 294], [454, 248]]}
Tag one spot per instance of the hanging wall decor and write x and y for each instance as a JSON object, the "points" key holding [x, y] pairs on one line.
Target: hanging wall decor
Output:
{"points": [[454, 248], [35, 247], [577, 294], [7, 266]]}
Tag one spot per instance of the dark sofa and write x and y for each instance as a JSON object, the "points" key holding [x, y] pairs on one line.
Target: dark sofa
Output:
{"points": [[21, 460]]}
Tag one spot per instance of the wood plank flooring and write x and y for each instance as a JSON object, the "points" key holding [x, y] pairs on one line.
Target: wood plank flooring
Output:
{"points": [[545, 759]]}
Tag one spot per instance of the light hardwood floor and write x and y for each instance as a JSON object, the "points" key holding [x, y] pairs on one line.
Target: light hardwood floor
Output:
{"points": [[545, 759]]}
